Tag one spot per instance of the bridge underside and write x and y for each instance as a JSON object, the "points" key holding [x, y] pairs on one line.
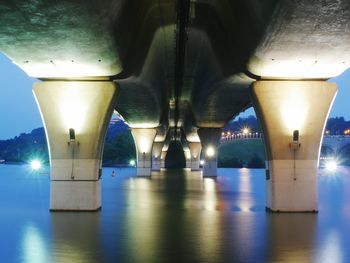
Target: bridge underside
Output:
{"points": [[180, 71]]}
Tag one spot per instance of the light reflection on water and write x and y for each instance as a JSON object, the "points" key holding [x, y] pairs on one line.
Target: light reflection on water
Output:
{"points": [[172, 217]]}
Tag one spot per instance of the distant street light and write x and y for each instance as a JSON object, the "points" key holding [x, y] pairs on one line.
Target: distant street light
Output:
{"points": [[245, 131], [331, 166], [35, 164]]}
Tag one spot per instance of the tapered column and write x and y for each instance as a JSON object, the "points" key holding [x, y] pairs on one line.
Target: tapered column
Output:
{"points": [[209, 140], [156, 155], [293, 116], [144, 139], [76, 116], [162, 159], [187, 154], [195, 150]]}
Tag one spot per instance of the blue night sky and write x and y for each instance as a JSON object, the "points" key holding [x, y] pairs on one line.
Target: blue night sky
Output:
{"points": [[19, 113]]}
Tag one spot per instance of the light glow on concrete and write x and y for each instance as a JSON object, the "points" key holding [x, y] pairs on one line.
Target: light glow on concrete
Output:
{"points": [[295, 69], [294, 111], [210, 151], [74, 109], [145, 145]]}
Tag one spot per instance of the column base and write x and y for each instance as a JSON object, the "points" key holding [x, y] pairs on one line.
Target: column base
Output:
{"points": [[147, 171], [195, 166], [75, 195], [81, 169], [292, 186], [156, 165], [269, 210], [210, 169]]}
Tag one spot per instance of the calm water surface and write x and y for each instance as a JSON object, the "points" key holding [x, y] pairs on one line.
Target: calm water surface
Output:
{"points": [[173, 217]]}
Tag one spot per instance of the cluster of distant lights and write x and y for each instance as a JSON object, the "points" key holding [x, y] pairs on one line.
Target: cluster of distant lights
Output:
{"points": [[345, 132], [244, 132]]}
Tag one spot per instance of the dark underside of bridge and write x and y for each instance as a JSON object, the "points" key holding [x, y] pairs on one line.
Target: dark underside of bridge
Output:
{"points": [[180, 65], [181, 70]]}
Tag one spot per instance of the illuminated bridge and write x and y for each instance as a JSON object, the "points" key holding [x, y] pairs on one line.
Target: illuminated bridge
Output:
{"points": [[177, 72]]}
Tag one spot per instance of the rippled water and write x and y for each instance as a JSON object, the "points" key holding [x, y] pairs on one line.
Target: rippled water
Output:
{"points": [[173, 217]]}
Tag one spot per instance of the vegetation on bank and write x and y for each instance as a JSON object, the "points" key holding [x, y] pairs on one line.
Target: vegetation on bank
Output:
{"points": [[119, 146], [242, 153]]}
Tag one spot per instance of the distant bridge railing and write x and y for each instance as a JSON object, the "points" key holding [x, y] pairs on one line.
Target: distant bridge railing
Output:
{"points": [[227, 137], [231, 136]]}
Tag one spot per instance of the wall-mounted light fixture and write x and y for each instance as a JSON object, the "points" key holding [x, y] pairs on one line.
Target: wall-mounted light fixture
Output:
{"points": [[72, 139], [295, 144], [71, 135], [72, 143]]}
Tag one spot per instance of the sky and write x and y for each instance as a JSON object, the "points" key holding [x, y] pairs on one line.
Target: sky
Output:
{"points": [[19, 112]]}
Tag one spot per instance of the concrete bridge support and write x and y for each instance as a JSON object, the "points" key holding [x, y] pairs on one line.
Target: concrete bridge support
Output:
{"points": [[293, 116], [187, 153], [195, 150], [144, 139], [162, 159], [76, 116], [209, 140], [156, 155]]}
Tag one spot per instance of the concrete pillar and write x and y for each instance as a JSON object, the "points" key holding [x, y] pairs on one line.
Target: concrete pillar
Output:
{"points": [[162, 159], [187, 153], [82, 110], [195, 150], [144, 139], [210, 138], [156, 155], [284, 108]]}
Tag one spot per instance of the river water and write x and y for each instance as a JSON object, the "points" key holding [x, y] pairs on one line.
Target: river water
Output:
{"points": [[174, 217]]}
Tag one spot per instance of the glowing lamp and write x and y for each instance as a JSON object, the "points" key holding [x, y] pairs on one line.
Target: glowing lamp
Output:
{"points": [[202, 162], [71, 134], [132, 163], [295, 135], [210, 151], [245, 131], [35, 164], [331, 166]]}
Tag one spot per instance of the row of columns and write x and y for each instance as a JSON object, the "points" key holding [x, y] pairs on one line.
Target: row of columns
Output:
{"points": [[76, 116]]}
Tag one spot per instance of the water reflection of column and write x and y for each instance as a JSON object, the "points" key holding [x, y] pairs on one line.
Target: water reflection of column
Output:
{"points": [[291, 237], [75, 237], [245, 188], [333, 227], [247, 227], [209, 225], [35, 248], [142, 221]]}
